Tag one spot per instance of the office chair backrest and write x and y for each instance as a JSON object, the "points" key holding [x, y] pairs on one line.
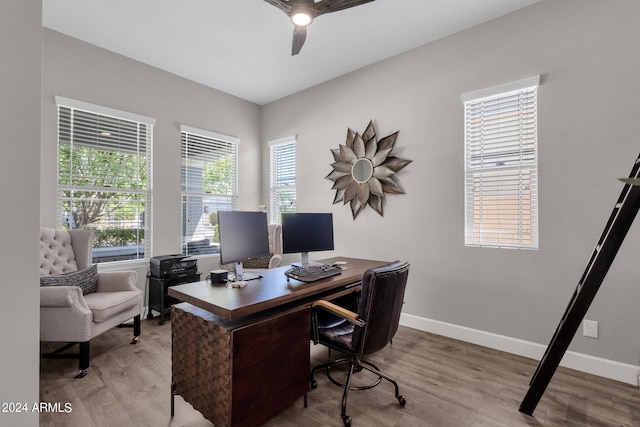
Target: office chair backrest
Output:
{"points": [[380, 306]]}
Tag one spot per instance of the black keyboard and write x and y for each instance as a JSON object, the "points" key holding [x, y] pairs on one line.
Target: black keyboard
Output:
{"points": [[312, 273]]}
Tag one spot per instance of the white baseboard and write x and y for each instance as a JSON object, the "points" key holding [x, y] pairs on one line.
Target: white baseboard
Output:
{"points": [[581, 362]]}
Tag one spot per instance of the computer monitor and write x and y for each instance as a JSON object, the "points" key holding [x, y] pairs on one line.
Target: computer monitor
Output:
{"points": [[243, 236], [307, 232]]}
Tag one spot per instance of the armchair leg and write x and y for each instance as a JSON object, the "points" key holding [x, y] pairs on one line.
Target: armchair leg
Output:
{"points": [[136, 330], [82, 355], [136, 326]]}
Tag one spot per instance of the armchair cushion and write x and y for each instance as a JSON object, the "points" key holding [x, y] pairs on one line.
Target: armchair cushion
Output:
{"points": [[105, 305], [86, 279]]}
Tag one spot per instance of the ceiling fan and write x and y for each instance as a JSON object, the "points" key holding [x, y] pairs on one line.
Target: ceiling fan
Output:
{"points": [[302, 13]]}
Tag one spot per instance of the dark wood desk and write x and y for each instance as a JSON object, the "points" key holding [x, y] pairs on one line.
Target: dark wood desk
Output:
{"points": [[272, 291], [241, 355]]}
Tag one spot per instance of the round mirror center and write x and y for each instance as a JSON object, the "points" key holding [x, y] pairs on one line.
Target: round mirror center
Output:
{"points": [[362, 170]]}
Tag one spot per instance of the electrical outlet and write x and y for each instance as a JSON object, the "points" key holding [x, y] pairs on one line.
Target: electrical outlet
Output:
{"points": [[590, 328]]}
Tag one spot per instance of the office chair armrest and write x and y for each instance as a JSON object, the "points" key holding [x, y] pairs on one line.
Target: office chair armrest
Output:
{"points": [[342, 312]]}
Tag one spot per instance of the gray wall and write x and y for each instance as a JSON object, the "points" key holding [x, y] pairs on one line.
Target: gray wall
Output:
{"points": [[20, 47], [586, 51], [78, 70]]}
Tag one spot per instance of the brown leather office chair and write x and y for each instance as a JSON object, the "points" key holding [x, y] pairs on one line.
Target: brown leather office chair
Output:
{"points": [[365, 331]]}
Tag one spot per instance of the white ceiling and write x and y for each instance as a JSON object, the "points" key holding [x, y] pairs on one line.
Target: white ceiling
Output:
{"points": [[243, 47]]}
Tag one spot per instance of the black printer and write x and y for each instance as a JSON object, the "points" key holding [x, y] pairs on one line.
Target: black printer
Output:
{"points": [[173, 266]]}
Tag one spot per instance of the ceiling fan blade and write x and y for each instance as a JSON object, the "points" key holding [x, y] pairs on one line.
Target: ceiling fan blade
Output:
{"points": [[630, 181], [313, 8], [326, 6], [299, 36], [280, 4]]}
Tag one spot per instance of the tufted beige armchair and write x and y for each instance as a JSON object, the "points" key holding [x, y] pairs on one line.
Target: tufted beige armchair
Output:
{"points": [[69, 316]]}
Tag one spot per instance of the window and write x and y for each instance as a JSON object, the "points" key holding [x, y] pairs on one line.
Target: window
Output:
{"points": [[282, 189], [104, 178], [208, 186], [501, 166]]}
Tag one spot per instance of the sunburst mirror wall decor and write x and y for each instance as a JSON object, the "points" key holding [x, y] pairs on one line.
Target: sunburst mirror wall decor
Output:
{"points": [[364, 170]]}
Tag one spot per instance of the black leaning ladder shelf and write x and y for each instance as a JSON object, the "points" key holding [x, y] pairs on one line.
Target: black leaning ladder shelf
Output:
{"points": [[603, 255]]}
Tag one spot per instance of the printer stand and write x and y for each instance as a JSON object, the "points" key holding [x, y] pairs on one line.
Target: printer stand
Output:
{"points": [[159, 300]]}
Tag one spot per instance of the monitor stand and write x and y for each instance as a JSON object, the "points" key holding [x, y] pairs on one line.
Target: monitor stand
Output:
{"points": [[242, 275], [304, 258]]}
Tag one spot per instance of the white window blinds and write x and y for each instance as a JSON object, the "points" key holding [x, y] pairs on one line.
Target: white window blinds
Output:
{"points": [[282, 177], [501, 166], [104, 178], [209, 184]]}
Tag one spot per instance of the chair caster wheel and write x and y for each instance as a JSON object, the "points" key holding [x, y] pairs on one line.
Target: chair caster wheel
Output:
{"points": [[314, 384], [402, 400], [347, 421], [135, 340], [81, 374]]}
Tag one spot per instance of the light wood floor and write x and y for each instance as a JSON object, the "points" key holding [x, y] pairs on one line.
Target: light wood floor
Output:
{"points": [[446, 383]]}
